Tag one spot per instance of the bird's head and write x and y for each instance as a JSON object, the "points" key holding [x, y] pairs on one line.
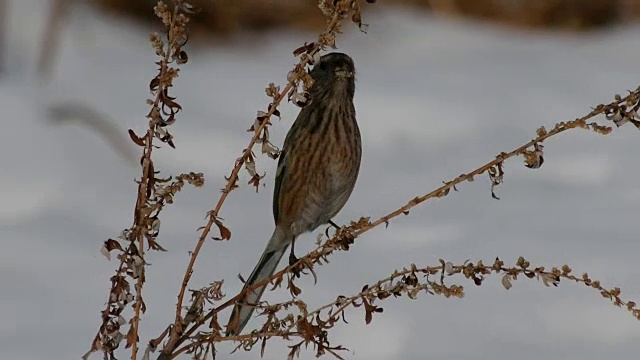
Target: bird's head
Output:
{"points": [[334, 71]]}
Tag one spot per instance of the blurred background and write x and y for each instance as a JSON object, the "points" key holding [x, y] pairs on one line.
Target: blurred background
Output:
{"points": [[443, 86], [224, 17]]}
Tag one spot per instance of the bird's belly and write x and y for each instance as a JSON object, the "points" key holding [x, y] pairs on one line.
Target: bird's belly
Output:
{"points": [[333, 186]]}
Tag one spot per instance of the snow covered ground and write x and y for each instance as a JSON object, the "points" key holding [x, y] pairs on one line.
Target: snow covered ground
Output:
{"points": [[435, 98]]}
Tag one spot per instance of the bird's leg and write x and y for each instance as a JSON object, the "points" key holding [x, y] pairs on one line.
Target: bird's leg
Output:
{"points": [[292, 256], [293, 259], [334, 225]]}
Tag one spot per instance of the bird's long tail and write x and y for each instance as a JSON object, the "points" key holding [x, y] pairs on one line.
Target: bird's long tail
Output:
{"points": [[267, 265]]}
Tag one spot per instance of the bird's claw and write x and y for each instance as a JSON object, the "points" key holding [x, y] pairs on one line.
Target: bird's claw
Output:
{"points": [[296, 270]]}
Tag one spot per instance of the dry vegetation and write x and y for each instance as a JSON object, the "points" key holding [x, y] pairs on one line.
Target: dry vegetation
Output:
{"points": [[227, 16], [195, 329]]}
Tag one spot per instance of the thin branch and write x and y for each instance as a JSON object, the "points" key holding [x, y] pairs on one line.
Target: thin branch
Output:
{"points": [[146, 174], [411, 281], [151, 196]]}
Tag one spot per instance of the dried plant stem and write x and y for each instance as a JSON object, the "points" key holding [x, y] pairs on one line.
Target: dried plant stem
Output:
{"points": [[407, 282], [138, 304], [231, 183], [142, 187], [444, 189], [469, 270]]}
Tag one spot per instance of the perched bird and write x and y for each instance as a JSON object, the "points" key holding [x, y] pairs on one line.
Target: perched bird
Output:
{"points": [[317, 170]]}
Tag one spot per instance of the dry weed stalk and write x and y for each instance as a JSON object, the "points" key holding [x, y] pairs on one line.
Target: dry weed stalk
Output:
{"points": [[153, 192], [186, 334], [313, 326]]}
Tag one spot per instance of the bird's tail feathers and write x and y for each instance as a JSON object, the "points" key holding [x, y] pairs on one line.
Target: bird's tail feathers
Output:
{"points": [[267, 265]]}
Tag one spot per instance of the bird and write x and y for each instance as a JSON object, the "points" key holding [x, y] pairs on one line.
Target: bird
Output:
{"points": [[316, 173]]}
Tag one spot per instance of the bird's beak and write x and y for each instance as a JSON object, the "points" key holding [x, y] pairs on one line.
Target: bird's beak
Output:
{"points": [[343, 74]]}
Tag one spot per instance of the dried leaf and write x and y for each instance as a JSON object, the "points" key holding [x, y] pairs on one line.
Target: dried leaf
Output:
{"points": [[272, 91], [181, 57], [214, 324], [105, 252], [300, 99], [617, 115], [147, 353], [369, 310], [108, 246], [88, 354], [154, 227], [255, 181], [154, 84], [550, 279], [269, 149], [496, 175], [263, 346], [293, 289], [291, 76], [250, 165], [143, 306], [225, 233], [136, 139], [534, 159], [448, 268], [154, 245], [506, 281], [303, 49]]}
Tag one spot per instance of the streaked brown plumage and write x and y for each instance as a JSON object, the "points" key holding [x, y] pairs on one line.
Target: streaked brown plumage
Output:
{"points": [[317, 170]]}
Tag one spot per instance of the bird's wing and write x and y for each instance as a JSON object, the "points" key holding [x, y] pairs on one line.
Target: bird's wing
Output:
{"points": [[278, 184]]}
